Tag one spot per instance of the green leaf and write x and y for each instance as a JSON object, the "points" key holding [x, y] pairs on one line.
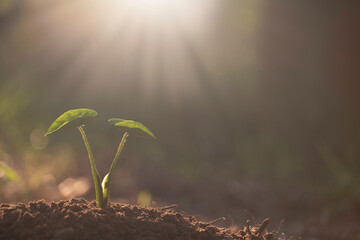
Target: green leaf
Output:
{"points": [[132, 127], [8, 172], [72, 118]]}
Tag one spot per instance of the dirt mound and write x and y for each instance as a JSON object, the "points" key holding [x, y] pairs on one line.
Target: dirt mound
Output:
{"points": [[80, 219]]}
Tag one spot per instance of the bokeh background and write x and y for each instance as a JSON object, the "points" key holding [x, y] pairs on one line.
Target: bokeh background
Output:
{"points": [[255, 105]]}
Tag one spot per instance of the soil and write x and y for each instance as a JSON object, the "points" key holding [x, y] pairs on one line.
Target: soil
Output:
{"points": [[80, 219]]}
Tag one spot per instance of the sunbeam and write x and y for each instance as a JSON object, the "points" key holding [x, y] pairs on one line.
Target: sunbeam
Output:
{"points": [[99, 42]]}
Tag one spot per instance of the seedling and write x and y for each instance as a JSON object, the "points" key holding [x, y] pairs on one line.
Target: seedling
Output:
{"points": [[77, 118]]}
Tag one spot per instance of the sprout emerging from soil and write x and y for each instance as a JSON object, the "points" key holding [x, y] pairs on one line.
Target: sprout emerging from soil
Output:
{"points": [[77, 118]]}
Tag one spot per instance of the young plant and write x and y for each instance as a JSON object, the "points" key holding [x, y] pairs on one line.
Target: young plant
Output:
{"points": [[77, 118]]}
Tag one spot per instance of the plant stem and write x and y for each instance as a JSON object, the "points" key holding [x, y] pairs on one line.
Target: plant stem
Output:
{"points": [[96, 177], [107, 179]]}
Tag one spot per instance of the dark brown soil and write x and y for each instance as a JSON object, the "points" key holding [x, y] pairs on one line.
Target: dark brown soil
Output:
{"points": [[80, 219]]}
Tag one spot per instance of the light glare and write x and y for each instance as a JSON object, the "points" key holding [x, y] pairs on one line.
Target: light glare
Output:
{"points": [[156, 9]]}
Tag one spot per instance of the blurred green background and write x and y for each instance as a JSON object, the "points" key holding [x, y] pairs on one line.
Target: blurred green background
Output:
{"points": [[255, 105]]}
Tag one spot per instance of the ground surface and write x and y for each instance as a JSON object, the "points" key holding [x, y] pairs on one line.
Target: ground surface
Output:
{"points": [[80, 219]]}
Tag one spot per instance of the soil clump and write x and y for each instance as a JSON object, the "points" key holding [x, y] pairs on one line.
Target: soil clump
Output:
{"points": [[80, 219]]}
